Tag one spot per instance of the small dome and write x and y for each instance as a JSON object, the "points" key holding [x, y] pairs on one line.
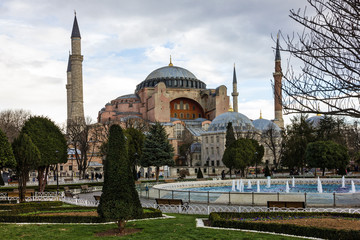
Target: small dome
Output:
{"points": [[239, 121], [315, 120], [264, 124]]}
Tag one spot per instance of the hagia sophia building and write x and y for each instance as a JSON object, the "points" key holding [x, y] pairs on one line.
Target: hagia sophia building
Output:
{"points": [[182, 103]]}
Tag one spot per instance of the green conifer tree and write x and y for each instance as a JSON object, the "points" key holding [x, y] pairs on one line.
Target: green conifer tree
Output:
{"points": [[27, 155], [157, 150], [199, 174], [6, 154], [119, 200]]}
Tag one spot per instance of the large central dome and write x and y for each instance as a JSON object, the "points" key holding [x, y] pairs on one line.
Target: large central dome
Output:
{"points": [[173, 77], [171, 72]]}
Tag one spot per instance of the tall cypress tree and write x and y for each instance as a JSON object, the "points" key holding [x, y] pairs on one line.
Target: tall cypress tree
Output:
{"points": [[27, 155], [230, 135], [119, 200], [6, 154], [157, 150], [227, 158]]}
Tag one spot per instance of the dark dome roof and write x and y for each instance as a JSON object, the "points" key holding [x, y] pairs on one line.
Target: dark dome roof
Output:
{"points": [[173, 77], [239, 121], [169, 72]]}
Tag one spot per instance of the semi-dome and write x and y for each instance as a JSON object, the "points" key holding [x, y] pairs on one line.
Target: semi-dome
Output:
{"points": [[239, 121], [173, 77], [264, 124]]}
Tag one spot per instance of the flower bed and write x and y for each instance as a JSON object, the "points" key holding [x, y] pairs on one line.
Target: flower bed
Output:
{"points": [[296, 223]]}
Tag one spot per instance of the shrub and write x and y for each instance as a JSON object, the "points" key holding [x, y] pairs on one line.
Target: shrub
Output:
{"points": [[200, 174]]}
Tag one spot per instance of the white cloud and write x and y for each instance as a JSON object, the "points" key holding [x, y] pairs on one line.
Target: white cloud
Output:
{"points": [[123, 41]]}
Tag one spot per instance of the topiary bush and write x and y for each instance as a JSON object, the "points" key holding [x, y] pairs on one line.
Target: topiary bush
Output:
{"points": [[199, 174]]}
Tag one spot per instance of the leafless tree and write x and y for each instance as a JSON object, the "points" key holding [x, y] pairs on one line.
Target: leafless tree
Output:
{"points": [[11, 122], [84, 137], [187, 139], [272, 139], [137, 123], [329, 48]]}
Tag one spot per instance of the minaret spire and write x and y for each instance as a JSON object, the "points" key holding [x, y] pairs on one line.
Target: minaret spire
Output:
{"points": [[170, 64], [76, 107], [235, 93], [277, 86]]}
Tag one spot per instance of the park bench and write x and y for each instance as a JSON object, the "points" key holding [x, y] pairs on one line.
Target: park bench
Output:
{"points": [[177, 202], [285, 204], [85, 189], [169, 180], [97, 197], [68, 180], [71, 195]]}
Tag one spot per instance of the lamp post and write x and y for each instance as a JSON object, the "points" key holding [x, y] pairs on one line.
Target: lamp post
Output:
{"points": [[208, 164], [256, 160], [57, 173]]}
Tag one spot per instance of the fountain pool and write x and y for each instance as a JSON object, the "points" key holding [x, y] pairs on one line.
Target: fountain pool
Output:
{"points": [[299, 188]]}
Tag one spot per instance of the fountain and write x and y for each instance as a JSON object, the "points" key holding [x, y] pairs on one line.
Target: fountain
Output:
{"points": [[249, 185], [233, 186], [353, 190], [293, 182], [258, 186], [241, 186], [287, 188], [268, 185], [343, 182], [238, 185], [319, 186]]}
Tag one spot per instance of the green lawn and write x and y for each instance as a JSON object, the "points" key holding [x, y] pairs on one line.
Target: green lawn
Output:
{"points": [[182, 227]]}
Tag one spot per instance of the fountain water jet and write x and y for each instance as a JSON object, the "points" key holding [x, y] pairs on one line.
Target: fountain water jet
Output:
{"points": [[353, 190], [238, 185], [258, 186], [249, 185], [233, 186], [241, 186], [343, 182], [268, 184], [287, 188], [319, 186], [293, 182]]}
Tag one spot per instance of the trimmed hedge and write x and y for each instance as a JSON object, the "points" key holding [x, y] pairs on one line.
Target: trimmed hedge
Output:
{"points": [[227, 220], [13, 216]]}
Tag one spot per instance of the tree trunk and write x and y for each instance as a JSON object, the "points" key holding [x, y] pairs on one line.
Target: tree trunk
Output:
{"points": [[157, 173], [121, 225], [22, 186], [42, 177], [323, 172]]}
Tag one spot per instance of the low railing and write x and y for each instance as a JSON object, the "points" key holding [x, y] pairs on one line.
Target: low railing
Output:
{"points": [[37, 196], [175, 191]]}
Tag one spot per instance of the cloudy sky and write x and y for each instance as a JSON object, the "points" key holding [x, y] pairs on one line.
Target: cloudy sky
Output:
{"points": [[124, 41]]}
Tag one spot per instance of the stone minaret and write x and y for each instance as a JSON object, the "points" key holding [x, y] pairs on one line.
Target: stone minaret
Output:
{"points": [[235, 93], [277, 87], [77, 103], [68, 91]]}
